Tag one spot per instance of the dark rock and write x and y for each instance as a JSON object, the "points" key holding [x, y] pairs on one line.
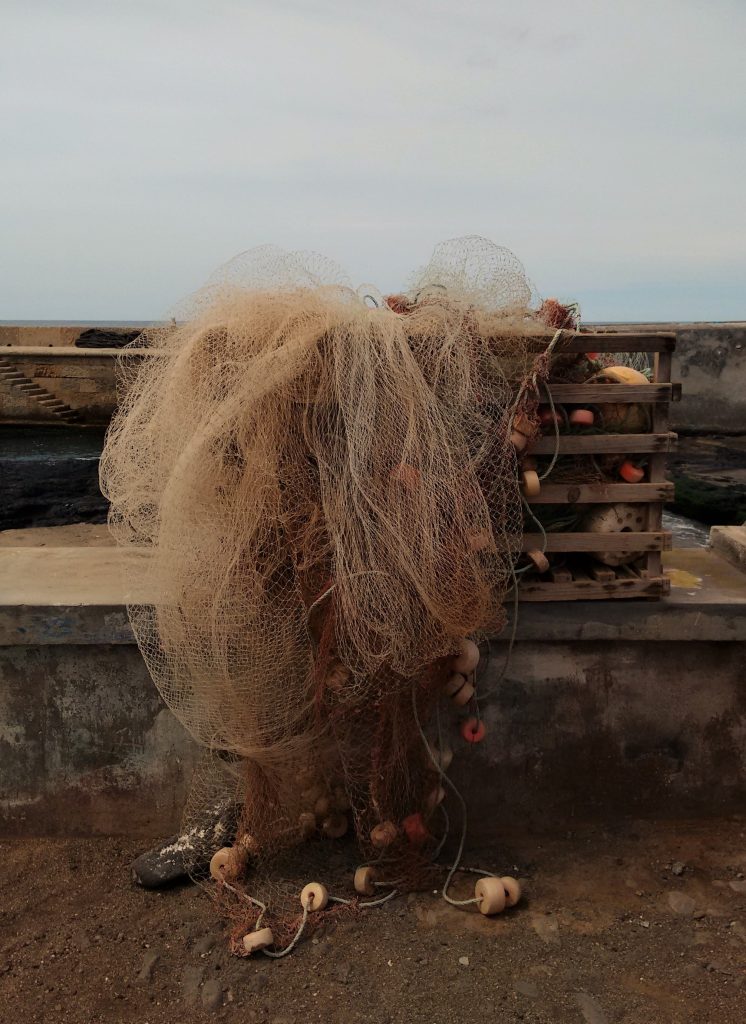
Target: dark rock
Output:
{"points": [[96, 337]]}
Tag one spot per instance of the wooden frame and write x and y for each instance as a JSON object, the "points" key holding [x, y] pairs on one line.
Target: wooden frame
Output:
{"points": [[584, 578]]}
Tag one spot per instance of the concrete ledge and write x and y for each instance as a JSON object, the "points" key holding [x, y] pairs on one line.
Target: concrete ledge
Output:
{"points": [[730, 542], [631, 705]]}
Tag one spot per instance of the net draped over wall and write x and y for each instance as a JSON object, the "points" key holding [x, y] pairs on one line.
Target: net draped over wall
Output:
{"points": [[325, 483]]}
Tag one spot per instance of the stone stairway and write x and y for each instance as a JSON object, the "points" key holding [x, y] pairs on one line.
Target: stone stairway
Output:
{"points": [[11, 376]]}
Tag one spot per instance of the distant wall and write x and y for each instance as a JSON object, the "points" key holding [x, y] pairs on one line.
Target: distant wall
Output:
{"points": [[710, 363]]}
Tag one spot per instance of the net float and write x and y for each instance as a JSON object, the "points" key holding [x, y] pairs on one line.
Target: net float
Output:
{"points": [[490, 895], [530, 483], [437, 796], [467, 658], [364, 880], [443, 758], [519, 441], [622, 517], [624, 417], [406, 475], [582, 418], [224, 864], [454, 683], [630, 472], [415, 829], [314, 896], [383, 835], [260, 939], [540, 560], [462, 697], [307, 824], [512, 890], [473, 730], [322, 807]]}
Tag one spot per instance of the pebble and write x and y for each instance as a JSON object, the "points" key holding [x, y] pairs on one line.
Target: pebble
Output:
{"points": [[212, 994], [149, 962], [677, 868], [527, 988], [464, 961], [680, 903], [547, 928], [738, 886], [341, 971]]}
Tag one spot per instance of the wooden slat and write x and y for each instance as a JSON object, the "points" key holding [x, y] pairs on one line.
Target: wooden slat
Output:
{"points": [[597, 394], [602, 573], [591, 590], [599, 444], [585, 494], [593, 341], [659, 540]]}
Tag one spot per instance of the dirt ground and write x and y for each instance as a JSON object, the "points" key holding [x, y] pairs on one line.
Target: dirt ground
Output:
{"points": [[640, 922]]}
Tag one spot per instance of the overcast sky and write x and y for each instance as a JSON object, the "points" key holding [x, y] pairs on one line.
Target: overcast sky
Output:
{"points": [[144, 142]]}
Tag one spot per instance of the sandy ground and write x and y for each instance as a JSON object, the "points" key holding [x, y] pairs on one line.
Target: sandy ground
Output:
{"points": [[642, 922]]}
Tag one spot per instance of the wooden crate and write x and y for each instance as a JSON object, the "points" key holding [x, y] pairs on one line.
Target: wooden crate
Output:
{"points": [[582, 578]]}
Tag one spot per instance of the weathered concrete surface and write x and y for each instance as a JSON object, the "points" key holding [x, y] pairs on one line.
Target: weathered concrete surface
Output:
{"points": [[83, 379], [730, 542], [635, 705]]}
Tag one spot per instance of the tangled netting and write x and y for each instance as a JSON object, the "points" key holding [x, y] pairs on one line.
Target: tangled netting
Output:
{"points": [[325, 484]]}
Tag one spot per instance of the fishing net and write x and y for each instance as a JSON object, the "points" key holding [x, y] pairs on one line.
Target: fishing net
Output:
{"points": [[326, 486]]}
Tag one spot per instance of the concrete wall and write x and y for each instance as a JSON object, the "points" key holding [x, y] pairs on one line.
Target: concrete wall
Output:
{"points": [[83, 380], [607, 707]]}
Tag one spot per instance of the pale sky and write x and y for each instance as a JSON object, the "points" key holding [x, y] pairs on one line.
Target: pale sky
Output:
{"points": [[145, 142]]}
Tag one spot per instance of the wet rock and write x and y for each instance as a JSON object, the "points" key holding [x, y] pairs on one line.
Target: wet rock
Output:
{"points": [[212, 994], [149, 962], [681, 904], [590, 1008]]}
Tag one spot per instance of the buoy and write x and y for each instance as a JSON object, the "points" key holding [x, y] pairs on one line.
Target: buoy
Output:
{"points": [[437, 796], [442, 758], [415, 829], [490, 895], [512, 890], [365, 876], [582, 418], [322, 806], [473, 730], [464, 695], [406, 475], [258, 940], [224, 864], [335, 826], [314, 896], [622, 517], [630, 472], [467, 658], [622, 417], [383, 835], [307, 824], [454, 683], [540, 560], [530, 485], [519, 441]]}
